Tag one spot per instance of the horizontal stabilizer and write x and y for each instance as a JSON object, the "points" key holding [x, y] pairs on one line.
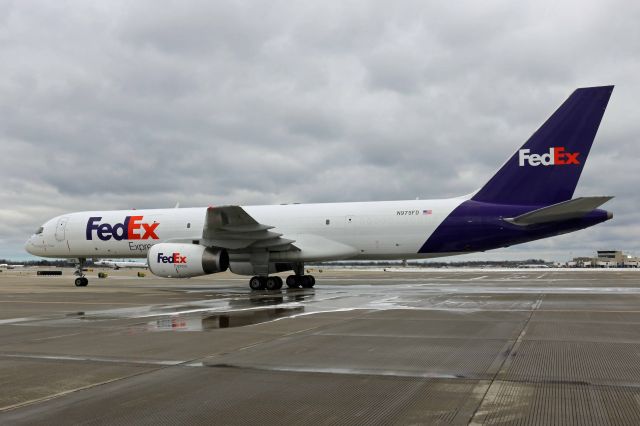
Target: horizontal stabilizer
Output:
{"points": [[572, 209]]}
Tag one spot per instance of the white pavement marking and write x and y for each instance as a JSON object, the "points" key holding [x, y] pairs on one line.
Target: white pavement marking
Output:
{"points": [[16, 320], [92, 359]]}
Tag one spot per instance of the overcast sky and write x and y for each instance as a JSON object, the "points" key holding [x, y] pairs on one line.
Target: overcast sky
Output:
{"points": [[109, 105]]}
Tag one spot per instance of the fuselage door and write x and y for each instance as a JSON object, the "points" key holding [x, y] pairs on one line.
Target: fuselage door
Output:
{"points": [[60, 228]]}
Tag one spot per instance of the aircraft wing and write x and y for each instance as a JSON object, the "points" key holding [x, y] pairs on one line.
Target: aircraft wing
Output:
{"points": [[571, 209], [231, 227]]}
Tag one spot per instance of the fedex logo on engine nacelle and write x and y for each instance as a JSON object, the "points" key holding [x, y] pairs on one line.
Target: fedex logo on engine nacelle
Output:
{"points": [[131, 229], [175, 258], [556, 156]]}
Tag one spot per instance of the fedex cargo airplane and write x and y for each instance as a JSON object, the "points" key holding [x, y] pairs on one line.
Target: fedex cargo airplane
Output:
{"points": [[529, 198]]}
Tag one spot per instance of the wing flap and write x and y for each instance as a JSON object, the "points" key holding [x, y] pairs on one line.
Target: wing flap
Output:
{"points": [[276, 243], [571, 209], [246, 228], [252, 235]]}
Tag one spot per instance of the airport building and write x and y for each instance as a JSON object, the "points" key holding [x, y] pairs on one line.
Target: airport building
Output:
{"points": [[605, 259]]}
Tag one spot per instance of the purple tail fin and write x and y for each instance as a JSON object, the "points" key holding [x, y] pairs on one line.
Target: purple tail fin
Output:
{"points": [[547, 167]]}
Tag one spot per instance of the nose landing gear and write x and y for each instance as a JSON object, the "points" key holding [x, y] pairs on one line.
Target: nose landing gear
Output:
{"points": [[81, 281]]}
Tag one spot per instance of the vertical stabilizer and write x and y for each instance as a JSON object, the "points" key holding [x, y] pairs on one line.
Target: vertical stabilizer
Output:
{"points": [[547, 168]]}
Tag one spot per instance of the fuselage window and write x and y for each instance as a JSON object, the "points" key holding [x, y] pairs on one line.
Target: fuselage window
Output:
{"points": [[188, 225], [327, 222]]}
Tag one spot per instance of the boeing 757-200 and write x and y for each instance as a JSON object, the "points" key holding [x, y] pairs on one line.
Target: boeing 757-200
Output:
{"points": [[529, 198]]}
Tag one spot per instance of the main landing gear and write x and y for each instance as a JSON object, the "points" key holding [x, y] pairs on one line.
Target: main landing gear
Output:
{"points": [[265, 283], [300, 279], [304, 281], [275, 283], [81, 281]]}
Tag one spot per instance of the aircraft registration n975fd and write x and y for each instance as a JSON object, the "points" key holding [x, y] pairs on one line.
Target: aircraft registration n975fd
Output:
{"points": [[530, 197]]}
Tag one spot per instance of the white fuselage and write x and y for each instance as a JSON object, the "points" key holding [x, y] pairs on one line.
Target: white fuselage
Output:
{"points": [[364, 230]]}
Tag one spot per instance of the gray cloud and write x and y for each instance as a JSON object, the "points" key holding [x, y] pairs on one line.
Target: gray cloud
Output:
{"points": [[143, 104]]}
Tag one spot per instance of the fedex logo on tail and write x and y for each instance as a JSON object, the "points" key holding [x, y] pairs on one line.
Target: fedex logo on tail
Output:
{"points": [[175, 258], [557, 156], [131, 229]]}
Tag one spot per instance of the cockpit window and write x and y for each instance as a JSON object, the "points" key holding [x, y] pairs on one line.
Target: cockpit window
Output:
{"points": [[40, 230]]}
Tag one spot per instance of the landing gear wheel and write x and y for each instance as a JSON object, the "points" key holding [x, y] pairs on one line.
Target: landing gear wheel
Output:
{"points": [[292, 281], [273, 283], [307, 281], [257, 283], [280, 282], [81, 281]]}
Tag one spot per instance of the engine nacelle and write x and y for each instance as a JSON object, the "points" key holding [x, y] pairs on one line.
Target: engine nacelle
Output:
{"points": [[175, 260]]}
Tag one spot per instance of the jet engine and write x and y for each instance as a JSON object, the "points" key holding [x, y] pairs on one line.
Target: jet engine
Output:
{"points": [[175, 260]]}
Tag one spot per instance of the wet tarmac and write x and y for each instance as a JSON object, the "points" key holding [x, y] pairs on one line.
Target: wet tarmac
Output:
{"points": [[363, 347]]}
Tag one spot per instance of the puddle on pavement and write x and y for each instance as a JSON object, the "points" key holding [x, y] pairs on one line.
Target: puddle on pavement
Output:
{"points": [[221, 319], [205, 314], [269, 299]]}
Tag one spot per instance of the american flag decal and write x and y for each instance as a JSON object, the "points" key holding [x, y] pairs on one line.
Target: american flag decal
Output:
{"points": [[426, 212]]}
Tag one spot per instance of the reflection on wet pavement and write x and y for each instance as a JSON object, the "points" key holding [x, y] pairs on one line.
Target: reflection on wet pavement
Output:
{"points": [[235, 307], [222, 320]]}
